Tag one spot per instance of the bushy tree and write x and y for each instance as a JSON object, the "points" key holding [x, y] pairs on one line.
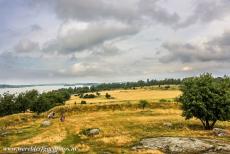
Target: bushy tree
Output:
{"points": [[25, 100], [8, 104], [41, 104], [206, 98]]}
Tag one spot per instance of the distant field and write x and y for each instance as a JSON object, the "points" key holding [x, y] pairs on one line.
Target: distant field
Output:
{"points": [[121, 128], [120, 96]]}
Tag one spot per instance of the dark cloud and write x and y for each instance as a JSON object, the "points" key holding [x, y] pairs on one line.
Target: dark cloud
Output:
{"points": [[216, 49], [206, 11]]}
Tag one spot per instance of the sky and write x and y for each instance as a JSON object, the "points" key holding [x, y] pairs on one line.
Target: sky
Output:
{"points": [[74, 41]]}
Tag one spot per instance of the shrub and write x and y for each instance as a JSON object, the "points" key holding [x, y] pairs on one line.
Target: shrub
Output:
{"points": [[89, 96], [143, 104], [83, 102], [167, 87], [108, 96], [163, 100]]}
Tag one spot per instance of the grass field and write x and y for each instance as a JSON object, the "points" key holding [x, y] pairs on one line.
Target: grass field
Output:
{"points": [[120, 96], [121, 127]]}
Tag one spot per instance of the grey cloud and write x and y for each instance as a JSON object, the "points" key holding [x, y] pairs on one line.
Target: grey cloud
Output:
{"points": [[25, 46], [95, 34], [216, 49], [125, 11], [149, 9], [16, 67], [104, 69], [106, 50], [207, 11]]}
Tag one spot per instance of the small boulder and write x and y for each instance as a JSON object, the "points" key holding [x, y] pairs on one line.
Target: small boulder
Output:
{"points": [[45, 123], [168, 124], [91, 131], [221, 132], [3, 134], [51, 115]]}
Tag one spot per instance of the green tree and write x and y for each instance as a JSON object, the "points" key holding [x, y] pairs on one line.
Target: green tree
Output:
{"points": [[41, 104], [25, 100], [206, 98], [8, 104]]}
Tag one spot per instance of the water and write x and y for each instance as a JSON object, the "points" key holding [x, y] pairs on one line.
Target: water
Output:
{"points": [[40, 89]]}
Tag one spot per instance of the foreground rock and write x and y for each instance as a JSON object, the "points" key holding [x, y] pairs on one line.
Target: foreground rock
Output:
{"points": [[184, 145], [221, 132], [45, 123]]}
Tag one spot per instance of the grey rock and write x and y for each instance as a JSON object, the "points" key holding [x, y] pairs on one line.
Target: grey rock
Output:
{"points": [[4, 134], [45, 123], [168, 124], [183, 145], [91, 131], [94, 131], [221, 132]]}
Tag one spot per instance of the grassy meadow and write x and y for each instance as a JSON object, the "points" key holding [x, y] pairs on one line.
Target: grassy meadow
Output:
{"points": [[121, 121]]}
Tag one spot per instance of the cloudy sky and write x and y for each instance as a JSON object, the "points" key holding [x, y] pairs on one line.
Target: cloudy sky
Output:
{"points": [[51, 41]]}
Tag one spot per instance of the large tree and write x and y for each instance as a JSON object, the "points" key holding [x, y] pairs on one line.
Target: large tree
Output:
{"points": [[206, 98]]}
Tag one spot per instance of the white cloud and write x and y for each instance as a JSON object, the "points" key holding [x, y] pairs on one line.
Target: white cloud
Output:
{"points": [[25, 46], [187, 68]]}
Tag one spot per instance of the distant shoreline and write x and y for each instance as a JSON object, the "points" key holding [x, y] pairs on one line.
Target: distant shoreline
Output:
{"points": [[3, 86]]}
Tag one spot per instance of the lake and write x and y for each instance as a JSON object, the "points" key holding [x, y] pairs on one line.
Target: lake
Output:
{"points": [[40, 89]]}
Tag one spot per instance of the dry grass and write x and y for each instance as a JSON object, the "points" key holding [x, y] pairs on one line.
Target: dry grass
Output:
{"points": [[120, 129], [129, 95]]}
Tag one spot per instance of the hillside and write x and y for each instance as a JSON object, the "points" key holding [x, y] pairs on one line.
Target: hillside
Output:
{"points": [[121, 120]]}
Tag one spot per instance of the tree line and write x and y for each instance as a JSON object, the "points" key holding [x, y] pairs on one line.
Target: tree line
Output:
{"points": [[32, 101], [127, 85]]}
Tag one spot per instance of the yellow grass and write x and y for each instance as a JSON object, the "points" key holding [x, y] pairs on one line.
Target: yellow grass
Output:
{"points": [[129, 95]]}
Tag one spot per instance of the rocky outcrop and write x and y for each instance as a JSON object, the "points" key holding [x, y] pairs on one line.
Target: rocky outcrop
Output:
{"points": [[184, 145]]}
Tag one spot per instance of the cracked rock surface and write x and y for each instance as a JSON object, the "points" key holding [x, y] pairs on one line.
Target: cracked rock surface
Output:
{"points": [[184, 145]]}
